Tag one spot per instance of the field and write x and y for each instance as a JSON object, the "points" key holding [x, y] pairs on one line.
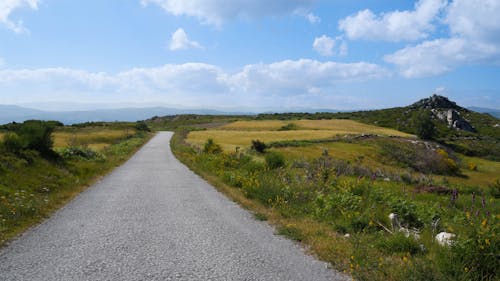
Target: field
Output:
{"points": [[331, 184], [241, 133], [97, 138]]}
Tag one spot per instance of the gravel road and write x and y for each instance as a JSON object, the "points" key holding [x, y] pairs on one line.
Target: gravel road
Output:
{"points": [[153, 219]]}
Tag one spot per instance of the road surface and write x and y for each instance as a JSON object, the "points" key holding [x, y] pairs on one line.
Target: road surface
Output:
{"points": [[153, 219]]}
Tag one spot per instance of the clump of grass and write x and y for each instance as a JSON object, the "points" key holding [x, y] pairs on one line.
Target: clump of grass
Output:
{"points": [[260, 216], [289, 127], [291, 232]]}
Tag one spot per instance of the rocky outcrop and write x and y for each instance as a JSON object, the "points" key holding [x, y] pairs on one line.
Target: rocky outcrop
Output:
{"points": [[445, 110], [436, 102]]}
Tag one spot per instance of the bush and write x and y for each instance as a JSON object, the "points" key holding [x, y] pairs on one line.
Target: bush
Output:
{"points": [[259, 146], [38, 136], [425, 129], [211, 147], [142, 126], [13, 143], [275, 160], [289, 127], [78, 152]]}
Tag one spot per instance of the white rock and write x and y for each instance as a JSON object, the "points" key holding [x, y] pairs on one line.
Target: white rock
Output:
{"points": [[445, 238], [347, 235]]}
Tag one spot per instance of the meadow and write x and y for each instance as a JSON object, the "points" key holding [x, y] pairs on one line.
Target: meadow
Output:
{"points": [[78, 156], [241, 133], [331, 185]]}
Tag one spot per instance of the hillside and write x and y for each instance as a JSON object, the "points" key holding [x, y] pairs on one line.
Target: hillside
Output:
{"points": [[469, 132]]}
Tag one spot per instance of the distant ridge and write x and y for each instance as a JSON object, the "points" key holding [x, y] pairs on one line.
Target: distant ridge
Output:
{"points": [[13, 113]]}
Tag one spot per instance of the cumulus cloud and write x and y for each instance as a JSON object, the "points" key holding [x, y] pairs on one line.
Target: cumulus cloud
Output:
{"points": [[325, 46], [180, 41], [474, 39], [8, 6], [312, 18], [188, 84], [216, 12], [396, 25]]}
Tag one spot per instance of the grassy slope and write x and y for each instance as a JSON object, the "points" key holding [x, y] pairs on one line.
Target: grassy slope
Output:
{"points": [[46, 186], [385, 261]]}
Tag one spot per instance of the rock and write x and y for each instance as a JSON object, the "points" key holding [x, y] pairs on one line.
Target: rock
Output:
{"points": [[347, 235], [445, 238]]}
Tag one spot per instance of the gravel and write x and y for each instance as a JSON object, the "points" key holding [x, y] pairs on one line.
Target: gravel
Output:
{"points": [[154, 219]]}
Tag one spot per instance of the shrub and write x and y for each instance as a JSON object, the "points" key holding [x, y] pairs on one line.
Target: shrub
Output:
{"points": [[79, 152], [259, 146], [211, 147], [13, 143], [142, 126], [289, 127], [424, 127], [38, 136], [275, 160]]}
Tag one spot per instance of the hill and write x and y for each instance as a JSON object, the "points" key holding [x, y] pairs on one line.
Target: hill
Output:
{"points": [[490, 111], [13, 113], [466, 131]]}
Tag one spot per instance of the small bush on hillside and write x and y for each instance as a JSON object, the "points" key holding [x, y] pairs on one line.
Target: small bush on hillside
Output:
{"points": [[79, 152], [275, 160], [142, 126], [424, 127], [211, 147], [259, 146], [13, 143], [421, 158], [289, 127]]}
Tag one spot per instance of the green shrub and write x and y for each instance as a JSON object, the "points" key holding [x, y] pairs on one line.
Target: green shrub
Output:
{"points": [[79, 152], [425, 129], [13, 143], [142, 126], [275, 160], [289, 127], [211, 147], [259, 146]]}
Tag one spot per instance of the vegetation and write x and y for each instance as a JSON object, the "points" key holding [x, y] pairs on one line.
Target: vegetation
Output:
{"points": [[334, 194], [56, 163]]}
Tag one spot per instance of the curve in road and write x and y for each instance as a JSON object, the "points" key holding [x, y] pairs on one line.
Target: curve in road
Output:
{"points": [[153, 219]]}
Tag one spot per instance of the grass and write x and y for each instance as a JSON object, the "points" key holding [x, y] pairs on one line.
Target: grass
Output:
{"points": [[46, 185], [316, 199], [336, 126], [96, 138]]}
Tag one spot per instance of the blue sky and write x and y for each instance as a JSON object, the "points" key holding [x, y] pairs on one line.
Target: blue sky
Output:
{"points": [[253, 55]]}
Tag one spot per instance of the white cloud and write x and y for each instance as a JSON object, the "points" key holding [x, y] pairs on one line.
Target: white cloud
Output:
{"points": [[474, 39], [325, 46], [312, 18], [188, 84], [216, 12], [180, 41], [475, 19], [8, 6], [441, 55], [396, 25]]}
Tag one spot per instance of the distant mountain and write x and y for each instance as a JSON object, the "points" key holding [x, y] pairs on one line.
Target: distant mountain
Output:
{"points": [[490, 111], [10, 113]]}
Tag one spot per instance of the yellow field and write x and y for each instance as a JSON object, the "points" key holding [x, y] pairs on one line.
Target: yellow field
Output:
{"points": [[241, 133], [243, 139], [94, 138], [338, 126]]}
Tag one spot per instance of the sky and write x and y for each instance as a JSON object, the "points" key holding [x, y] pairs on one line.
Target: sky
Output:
{"points": [[248, 55]]}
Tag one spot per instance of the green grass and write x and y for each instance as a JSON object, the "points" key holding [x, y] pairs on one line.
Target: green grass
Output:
{"points": [[46, 185], [316, 199]]}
